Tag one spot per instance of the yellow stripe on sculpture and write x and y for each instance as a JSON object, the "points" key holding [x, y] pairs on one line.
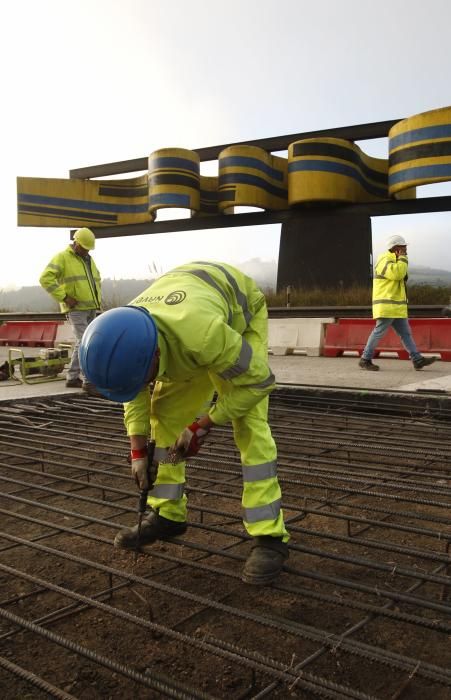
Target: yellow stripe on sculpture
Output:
{"points": [[420, 150], [77, 203], [251, 177], [174, 179], [334, 170]]}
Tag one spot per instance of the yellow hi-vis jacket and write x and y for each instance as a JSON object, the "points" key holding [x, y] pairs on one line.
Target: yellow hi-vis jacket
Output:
{"points": [[69, 274], [389, 288], [202, 311]]}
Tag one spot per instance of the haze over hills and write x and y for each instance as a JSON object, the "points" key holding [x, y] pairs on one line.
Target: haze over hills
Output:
{"points": [[121, 291], [419, 274]]}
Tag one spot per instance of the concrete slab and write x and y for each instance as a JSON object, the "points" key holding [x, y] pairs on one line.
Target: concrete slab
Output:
{"points": [[342, 372], [345, 372], [11, 392], [442, 383]]}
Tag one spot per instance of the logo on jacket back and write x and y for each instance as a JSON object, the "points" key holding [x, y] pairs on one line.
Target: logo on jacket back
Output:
{"points": [[175, 298]]}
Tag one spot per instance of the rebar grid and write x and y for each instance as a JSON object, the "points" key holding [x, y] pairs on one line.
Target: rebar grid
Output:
{"points": [[361, 610]]}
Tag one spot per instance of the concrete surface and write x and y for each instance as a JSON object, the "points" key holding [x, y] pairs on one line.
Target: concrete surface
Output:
{"points": [[394, 374], [343, 372], [298, 368]]}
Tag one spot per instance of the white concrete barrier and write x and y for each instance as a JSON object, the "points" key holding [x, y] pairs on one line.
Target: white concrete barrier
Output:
{"points": [[297, 335], [64, 334], [286, 335]]}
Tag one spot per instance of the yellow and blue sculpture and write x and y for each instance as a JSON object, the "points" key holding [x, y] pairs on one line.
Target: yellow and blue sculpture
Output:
{"points": [[317, 170]]}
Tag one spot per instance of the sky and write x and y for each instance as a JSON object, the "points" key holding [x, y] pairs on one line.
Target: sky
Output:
{"points": [[98, 81]]}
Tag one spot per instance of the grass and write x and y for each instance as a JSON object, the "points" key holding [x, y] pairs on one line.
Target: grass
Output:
{"points": [[418, 294]]}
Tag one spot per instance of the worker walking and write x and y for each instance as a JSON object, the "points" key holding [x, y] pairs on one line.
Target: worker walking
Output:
{"points": [[73, 280], [198, 329], [390, 304]]}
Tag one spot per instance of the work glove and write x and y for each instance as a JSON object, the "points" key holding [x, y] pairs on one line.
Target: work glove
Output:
{"points": [[70, 301], [143, 472], [189, 442]]}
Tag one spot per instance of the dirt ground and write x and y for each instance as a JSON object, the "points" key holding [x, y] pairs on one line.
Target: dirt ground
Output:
{"points": [[362, 609]]}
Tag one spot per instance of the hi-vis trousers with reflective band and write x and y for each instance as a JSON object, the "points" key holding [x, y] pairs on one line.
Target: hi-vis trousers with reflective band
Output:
{"points": [[175, 405]]}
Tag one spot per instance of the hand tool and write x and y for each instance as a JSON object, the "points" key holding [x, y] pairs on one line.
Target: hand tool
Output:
{"points": [[142, 503]]}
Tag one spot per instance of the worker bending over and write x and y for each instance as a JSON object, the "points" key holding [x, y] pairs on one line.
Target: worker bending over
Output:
{"points": [[201, 328]]}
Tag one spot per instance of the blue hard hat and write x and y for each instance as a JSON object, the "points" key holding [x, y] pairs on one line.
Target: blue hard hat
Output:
{"points": [[116, 351]]}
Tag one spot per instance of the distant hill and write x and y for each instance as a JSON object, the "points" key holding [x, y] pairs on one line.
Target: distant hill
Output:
{"points": [[120, 291], [429, 275], [117, 292], [265, 274]]}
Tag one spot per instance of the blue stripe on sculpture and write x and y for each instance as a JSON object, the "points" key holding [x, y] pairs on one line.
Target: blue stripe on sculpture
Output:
{"points": [[421, 172], [338, 169], [246, 162], [81, 204], [440, 131], [171, 198], [171, 162], [253, 180]]}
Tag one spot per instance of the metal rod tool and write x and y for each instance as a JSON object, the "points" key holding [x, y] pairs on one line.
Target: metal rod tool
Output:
{"points": [[142, 503]]}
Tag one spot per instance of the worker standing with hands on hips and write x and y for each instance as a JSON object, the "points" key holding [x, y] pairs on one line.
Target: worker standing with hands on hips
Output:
{"points": [[73, 280], [200, 328], [390, 304]]}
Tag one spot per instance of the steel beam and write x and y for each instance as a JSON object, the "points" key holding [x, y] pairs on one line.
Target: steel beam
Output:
{"points": [[388, 208], [358, 132]]}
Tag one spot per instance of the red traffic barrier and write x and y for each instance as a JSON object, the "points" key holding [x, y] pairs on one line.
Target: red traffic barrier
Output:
{"points": [[432, 335], [29, 333]]}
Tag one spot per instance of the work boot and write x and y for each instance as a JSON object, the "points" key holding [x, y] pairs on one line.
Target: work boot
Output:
{"points": [[423, 362], [367, 364], [265, 561], [4, 372], [154, 527], [75, 383]]}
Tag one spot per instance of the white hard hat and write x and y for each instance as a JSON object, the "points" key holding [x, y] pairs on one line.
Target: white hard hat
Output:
{"points": [[396, 239]]}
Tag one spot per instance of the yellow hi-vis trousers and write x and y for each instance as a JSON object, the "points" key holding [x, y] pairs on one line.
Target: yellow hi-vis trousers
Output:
{"points": [[177, 404]]}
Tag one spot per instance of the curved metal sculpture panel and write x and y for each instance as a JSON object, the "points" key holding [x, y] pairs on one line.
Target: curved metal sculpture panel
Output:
{"points": [[318, 170], [174, 179], [251, 177], [334, 170], [57, 202], [420, 150], [209, 196]]}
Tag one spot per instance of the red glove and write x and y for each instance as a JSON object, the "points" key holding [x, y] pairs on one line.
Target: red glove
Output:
{"points": [[144, 468], [189, 441]]}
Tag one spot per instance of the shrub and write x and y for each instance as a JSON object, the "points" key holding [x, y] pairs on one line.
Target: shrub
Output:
{"points": [[418, 294]]}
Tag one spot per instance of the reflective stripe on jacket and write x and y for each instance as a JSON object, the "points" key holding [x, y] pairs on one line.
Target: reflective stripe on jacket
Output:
{"points": [[389, 288], [68, 274], [202, 311]]}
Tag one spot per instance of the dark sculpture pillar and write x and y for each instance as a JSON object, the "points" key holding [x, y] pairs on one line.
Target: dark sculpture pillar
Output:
{"points": [[320, 249]]}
